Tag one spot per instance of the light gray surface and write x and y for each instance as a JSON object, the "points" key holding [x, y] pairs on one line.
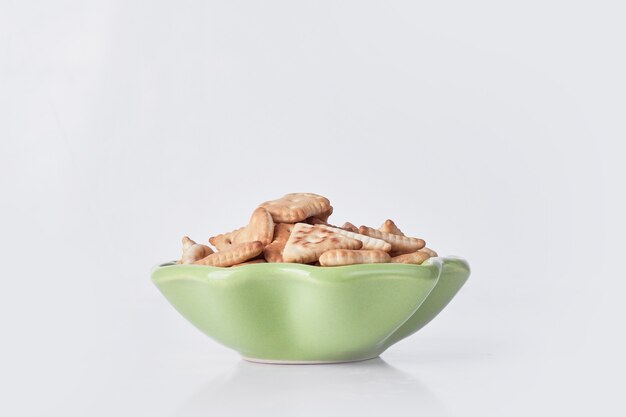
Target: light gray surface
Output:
{"points": [[490, 129]]}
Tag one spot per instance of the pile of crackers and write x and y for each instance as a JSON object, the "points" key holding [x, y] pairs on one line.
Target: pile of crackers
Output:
{"points": [[295, 229]]}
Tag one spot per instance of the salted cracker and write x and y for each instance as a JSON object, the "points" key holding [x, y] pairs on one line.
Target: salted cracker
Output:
{"points": [[306, 243]]}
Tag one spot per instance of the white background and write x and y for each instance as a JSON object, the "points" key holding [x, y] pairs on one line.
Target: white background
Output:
{"points": [[491, 129]]}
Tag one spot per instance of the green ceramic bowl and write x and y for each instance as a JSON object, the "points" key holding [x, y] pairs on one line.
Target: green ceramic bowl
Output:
{"points": [[294, 313]]}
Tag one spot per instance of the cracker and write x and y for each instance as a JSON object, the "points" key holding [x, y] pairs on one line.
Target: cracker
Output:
{"points": [[325, 215], [187, 243], [193, 251], [411, 258], [306, 243], [260, 227], [235, 254], [296, 207], [390, 227], [370, 243], [225, 240], [430, 252], [347, 226], [254, 261], [337, 257], [316, 220], [274, 251], [399, 244]]}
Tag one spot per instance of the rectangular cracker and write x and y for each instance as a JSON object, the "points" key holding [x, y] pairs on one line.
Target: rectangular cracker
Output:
{"points": [[296, 207], [325, 215], [306, 243], [338, 257]]}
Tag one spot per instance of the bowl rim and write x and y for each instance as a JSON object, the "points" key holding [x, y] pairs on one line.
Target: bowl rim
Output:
{"points": [[428, 262], [318, 273]]}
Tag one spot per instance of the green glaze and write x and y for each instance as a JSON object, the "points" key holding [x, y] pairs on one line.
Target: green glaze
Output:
{"points": [[280, 312], [455, 273]]}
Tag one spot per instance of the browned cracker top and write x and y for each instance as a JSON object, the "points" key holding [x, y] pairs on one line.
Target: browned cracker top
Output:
{"points": [[296, 207]]}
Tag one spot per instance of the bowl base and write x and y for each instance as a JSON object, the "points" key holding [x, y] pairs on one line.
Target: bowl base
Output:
{"points": [[287, 362]]}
